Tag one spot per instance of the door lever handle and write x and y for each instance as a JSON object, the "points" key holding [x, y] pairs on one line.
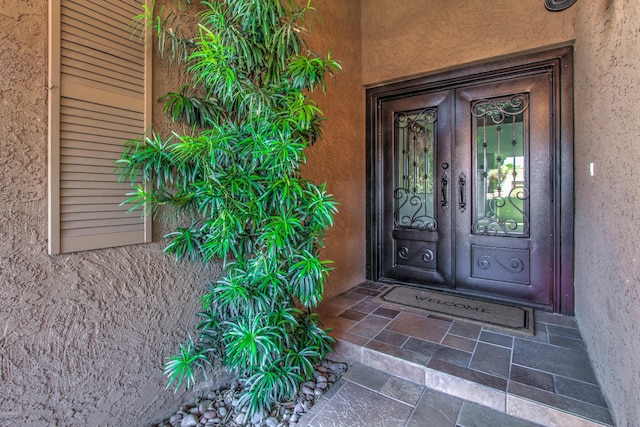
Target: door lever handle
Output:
{"points": [[445, 191], [462, 182]]}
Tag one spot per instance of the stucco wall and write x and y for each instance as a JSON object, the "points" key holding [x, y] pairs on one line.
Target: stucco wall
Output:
{"points": [[607, 133], [408, 38], [82, 336], [339, 158]]}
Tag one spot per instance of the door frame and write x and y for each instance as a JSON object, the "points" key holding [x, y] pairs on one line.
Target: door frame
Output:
{"points": [[558, 62]]}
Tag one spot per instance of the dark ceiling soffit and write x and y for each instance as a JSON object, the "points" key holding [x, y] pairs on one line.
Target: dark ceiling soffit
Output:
{"points": [[558, 5]]}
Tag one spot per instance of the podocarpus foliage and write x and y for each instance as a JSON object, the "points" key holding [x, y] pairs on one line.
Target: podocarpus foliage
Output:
{"points": [[236, 174]]}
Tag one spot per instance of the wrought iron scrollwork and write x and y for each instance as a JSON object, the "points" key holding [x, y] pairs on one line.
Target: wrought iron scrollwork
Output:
{"points": [[427, 257], [498, 210], [413, 207], [515, 265], [498, 111], [492, 224], [414, 217]]}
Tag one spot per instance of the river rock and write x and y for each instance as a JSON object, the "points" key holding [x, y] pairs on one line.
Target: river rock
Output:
{"points": [[239, 419], [271, 422], [204, 406], [209, 414], [189, 421]]}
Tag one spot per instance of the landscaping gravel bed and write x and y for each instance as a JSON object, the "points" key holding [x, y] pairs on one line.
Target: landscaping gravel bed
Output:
{"points": [[218, 407]]}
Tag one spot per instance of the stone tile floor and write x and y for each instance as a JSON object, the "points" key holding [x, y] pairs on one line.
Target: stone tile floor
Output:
{"points": [[410, 368]]}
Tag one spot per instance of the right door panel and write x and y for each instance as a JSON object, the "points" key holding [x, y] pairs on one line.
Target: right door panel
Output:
{"points": [[502, 173]]}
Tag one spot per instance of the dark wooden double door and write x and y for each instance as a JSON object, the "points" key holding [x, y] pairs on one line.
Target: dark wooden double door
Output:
{"points": [[465, 182]]}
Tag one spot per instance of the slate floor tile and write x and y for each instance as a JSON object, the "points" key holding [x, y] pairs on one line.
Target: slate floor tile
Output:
{"points": [[589, 393], [419, 326], [346, 336], [392, 338], [352, 295], [373, 285], [465, 329], [565, 342], [497, 339], [394, 366], [366, 291], [338, 323], [435, 409], [474, 415], [555, 319], [439, 317], [469, 374], [554, 360], [448, 354], [541, 333], [370, 326], [333, 308], [353, 315], [386, 312], [587, 410], [402, 390], [461, 343], [491, 359], [354, 405], [366, 306], [366, 376], [564, 332], [428, 348], [451, 355], [334, 389], [533, 378], [400, 353]]}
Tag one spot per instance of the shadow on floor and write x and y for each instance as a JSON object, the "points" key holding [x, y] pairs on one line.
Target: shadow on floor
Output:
{"points": [[410, 368]]}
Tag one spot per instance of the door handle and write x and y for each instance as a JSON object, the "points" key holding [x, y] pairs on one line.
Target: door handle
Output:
{"points": [[445, 191], [462, 183]]}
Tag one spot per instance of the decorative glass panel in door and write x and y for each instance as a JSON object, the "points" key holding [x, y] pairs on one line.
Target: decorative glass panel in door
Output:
{"points": [[501, 202], [504, 214], [416, 243], [415, 142]]}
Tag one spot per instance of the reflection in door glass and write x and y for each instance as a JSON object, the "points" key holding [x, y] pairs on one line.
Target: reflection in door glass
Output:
{"points": [[501, 196], [415, 144]]}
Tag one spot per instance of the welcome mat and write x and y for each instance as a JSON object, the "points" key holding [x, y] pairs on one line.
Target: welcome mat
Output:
{"points": [[495, 314]]}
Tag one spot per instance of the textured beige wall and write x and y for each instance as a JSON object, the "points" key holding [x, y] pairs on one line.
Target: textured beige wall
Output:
{"points": [[607, 132], [339, 158], [407, 38], [82, 336]]}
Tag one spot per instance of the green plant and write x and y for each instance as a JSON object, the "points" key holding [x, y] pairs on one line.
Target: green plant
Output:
{"points": [[236, 174]]}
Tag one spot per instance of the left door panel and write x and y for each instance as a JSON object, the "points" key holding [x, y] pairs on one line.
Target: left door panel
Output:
{"points": [[415, 189]]}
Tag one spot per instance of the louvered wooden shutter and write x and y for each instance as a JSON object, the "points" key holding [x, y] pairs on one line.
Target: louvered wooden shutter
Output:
{"points": [[99, 85]]}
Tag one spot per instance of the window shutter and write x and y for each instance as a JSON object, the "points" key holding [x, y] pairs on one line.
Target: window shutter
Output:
{"points": [[99, 97]]}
